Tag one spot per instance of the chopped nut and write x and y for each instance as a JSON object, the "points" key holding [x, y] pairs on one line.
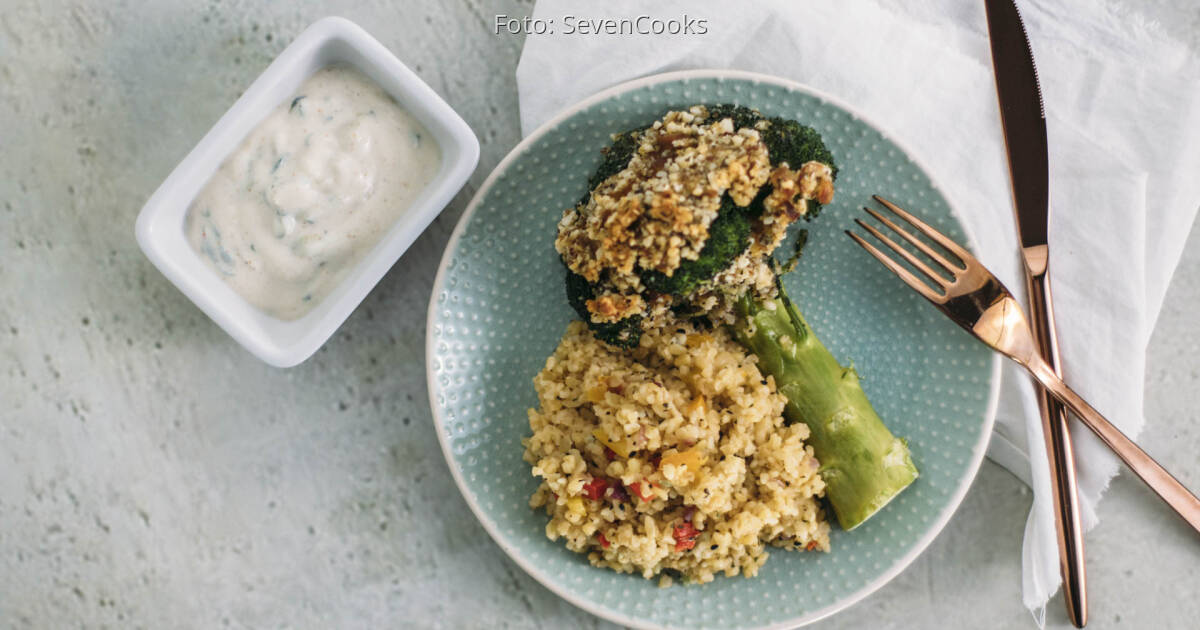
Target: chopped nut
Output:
{"points": [[612, 307]]}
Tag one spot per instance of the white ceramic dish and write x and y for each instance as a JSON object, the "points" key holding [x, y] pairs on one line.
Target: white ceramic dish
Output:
{"points": [[160, 225]]}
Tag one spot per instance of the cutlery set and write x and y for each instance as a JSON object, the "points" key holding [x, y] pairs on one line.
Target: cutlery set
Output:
{"points": [[966, 292]]}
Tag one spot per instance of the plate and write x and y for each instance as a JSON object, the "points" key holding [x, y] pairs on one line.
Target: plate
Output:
{"points": [[498, 309]]}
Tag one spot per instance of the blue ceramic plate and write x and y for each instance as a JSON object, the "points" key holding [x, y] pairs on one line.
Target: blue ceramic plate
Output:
{"points": [[498, 310]]}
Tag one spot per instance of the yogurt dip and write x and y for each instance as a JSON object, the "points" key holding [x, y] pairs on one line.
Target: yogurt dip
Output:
{"points": [[310, 191]]}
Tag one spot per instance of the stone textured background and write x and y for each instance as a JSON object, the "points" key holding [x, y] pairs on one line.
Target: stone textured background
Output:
{"points": [[153, 474]]}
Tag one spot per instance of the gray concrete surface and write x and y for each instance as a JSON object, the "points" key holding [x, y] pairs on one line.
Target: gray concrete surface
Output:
{"points": [[153, 474]]}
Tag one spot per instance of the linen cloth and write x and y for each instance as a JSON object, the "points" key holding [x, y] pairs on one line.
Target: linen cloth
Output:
{"points": [[1123, 110]]}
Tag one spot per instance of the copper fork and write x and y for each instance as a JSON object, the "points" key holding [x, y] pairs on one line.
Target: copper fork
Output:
{"points": [[975, 300]]}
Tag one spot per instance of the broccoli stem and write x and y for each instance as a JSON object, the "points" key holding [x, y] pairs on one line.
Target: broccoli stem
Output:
{"points": [[864, 466]]}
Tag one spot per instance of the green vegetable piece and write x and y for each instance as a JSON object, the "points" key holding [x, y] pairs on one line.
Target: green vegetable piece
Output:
{"points": [[615, 158], [742, 116], [864, 466], [789, 141]]}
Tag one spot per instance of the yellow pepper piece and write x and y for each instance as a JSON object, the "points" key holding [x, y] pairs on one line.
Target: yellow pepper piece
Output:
{"points": [[596, 394], [620, 448], [691, 458]]}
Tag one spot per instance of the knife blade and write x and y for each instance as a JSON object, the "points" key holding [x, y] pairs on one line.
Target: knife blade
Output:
{"points": [[1022, 115]]}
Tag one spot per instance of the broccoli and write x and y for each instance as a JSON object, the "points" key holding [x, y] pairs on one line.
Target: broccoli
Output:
{"points": [[863, 465], [615, 158], [623, 334], [789, 141], [742, 116], [728, 237]]}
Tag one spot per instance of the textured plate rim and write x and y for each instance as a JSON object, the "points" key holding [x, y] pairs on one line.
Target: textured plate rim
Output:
{"points": [[977, 451]]}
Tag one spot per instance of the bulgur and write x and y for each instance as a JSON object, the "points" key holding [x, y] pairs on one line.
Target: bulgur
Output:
{"points": [[673, 456]]}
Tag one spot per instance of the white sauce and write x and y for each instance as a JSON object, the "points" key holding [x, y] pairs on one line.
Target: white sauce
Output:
{"points": [[311, 191]]}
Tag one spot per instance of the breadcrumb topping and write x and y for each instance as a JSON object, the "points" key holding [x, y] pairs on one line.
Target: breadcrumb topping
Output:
{"points": [[790, 193], [656, 213], [613, 307]]}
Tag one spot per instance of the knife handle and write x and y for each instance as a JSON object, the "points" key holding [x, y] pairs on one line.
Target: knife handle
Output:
{"points": [[1060, 455]]}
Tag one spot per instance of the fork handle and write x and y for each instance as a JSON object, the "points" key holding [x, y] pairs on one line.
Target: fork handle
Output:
{"points": [[1160, 481]]}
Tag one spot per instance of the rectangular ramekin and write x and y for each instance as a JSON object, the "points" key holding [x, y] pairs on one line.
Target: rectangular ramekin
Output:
{"points": [[160, 225]]}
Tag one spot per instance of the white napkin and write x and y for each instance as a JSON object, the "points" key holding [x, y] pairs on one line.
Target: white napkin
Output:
{"points": [[1123, 103]]}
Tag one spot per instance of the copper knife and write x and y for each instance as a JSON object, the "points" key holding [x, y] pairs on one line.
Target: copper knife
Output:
{"points": [[1024, 122]]}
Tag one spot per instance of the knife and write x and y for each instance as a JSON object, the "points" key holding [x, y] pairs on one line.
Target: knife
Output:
{"points": [[1024, 122]]}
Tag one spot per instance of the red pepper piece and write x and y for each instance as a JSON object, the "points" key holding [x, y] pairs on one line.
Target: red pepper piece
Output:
{"points": [[637, 489], [594, 489], [812, 544], [602, 539], [685, 536]]}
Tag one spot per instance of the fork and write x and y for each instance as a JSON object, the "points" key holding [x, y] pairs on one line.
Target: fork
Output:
{"points": [[978, 302]]}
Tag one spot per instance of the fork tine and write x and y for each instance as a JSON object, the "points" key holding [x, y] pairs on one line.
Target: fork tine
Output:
{"points": [[912, 260], [927, 230], [898, 269], [918, 243]]}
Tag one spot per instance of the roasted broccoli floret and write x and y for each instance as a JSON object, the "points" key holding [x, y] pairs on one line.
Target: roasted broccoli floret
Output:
{"points": [[624, 333], [728, 237], [787, 142]]}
